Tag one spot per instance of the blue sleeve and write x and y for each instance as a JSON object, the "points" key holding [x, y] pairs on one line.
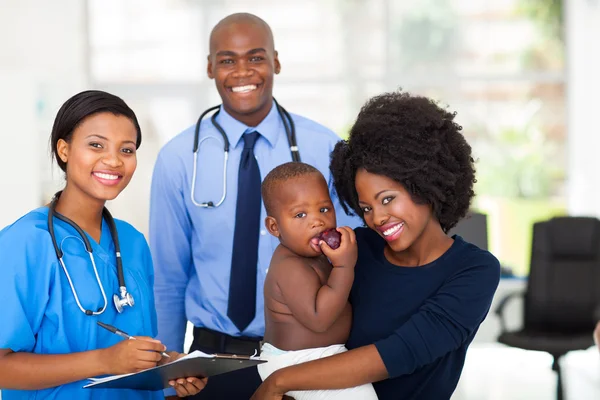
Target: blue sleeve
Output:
{"points": [[342, 219], [444, 322], [149, 271], [170, 233], [153, 322], [26, 279]]}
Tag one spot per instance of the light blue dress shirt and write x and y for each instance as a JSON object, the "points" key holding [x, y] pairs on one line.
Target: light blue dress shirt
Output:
{"points": [[39, 313], [192, 246]]}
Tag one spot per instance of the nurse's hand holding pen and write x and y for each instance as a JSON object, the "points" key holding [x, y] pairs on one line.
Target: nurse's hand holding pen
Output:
{"points": [[183, 386], [132, 355], [136, 355]]}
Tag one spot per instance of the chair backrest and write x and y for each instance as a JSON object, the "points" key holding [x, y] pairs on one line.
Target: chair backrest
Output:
{"points": [[473, 228], [563, 289]]}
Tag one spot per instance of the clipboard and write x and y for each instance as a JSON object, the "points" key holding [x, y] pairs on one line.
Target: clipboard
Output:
{"points": [[196, 364]]}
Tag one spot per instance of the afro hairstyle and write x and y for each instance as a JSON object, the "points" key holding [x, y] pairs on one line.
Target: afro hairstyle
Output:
{"points": [[415, 142]]}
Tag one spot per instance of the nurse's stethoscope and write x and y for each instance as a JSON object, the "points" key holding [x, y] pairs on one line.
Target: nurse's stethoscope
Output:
{"points": [[124, 298], [290, 131]]}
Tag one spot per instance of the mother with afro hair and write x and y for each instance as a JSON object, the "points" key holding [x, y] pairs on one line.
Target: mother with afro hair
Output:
{"points": [[419, 295]]}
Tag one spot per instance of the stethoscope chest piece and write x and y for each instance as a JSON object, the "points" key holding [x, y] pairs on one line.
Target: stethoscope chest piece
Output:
{"points": [[125, 299]]}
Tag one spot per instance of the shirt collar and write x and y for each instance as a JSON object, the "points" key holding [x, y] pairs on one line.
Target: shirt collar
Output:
{"points": [[268, 127]]}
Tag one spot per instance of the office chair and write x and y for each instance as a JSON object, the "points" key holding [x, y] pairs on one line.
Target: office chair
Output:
{"points": [[473, 228], [563, 291]]}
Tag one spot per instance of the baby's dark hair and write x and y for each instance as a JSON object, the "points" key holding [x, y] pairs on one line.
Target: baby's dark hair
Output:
{"points": [[279, 175], [415, 142]]}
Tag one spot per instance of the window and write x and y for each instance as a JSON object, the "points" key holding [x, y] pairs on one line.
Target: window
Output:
{"points": [[498, 63]]}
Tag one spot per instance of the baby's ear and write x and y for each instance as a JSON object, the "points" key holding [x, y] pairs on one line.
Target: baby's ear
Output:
{"points": [[272, 227]]}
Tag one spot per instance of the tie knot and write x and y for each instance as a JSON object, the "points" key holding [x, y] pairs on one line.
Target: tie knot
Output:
{"points": [[250, 139]]}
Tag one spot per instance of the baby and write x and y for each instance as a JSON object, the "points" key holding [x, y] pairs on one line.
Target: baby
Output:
{"points": [[307, 314]]}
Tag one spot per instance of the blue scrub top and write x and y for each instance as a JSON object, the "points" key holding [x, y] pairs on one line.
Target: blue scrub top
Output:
{"points": [[39, 313]]}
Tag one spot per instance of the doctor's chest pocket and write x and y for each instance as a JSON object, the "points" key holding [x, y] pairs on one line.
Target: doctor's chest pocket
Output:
{"points": [[213, 227]]}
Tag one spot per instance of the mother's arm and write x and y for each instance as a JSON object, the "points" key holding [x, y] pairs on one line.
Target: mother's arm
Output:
{"points": [[442, 324], [352, 368]]}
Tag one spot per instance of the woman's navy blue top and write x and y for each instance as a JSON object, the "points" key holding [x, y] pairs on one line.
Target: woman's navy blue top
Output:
{"points": [[421, 319]]}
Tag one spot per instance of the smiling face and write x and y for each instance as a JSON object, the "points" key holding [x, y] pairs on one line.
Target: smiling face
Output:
{"points": [[302, 210], [390, 210], [243, 61], [100, 156]]}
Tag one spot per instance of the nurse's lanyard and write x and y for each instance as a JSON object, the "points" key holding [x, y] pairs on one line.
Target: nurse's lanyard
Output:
{"points": [[124, 298], [290, 132]]}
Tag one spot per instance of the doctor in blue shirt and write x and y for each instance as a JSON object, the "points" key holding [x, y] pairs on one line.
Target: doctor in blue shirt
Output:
{"points": [[208, 241], [69, 265]]}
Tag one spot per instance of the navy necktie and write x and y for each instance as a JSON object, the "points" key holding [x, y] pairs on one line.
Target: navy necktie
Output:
{"points": [[242, 284]]}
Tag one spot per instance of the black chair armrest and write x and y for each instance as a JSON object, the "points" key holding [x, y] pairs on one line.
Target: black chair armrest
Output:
{"points": [[597, 314], [500, 307]]}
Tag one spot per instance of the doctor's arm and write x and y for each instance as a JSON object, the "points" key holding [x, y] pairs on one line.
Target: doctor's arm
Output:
{"points": [[429, 334], [170, 236], [185, 386]]}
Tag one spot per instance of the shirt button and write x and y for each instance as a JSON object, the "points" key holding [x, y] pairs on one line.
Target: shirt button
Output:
{"points": [[262, 232], [266, 270]]}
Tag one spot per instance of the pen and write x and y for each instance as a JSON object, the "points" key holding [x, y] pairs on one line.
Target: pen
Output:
{"points": [[122, 334]]}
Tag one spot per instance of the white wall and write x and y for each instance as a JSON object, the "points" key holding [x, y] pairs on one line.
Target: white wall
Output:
{"points": [[583, 77], [42, 63], [19, 160]]}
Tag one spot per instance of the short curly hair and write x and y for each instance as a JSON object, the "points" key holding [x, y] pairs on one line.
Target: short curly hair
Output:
{"points": [[280, 175], [415, 142]]}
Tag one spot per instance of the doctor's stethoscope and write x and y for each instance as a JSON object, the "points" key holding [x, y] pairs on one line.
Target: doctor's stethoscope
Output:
{"points": [[290, 131], [124, 298]]}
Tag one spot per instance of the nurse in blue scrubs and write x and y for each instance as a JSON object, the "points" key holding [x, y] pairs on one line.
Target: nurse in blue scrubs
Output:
{"points": [[50, 342]]}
